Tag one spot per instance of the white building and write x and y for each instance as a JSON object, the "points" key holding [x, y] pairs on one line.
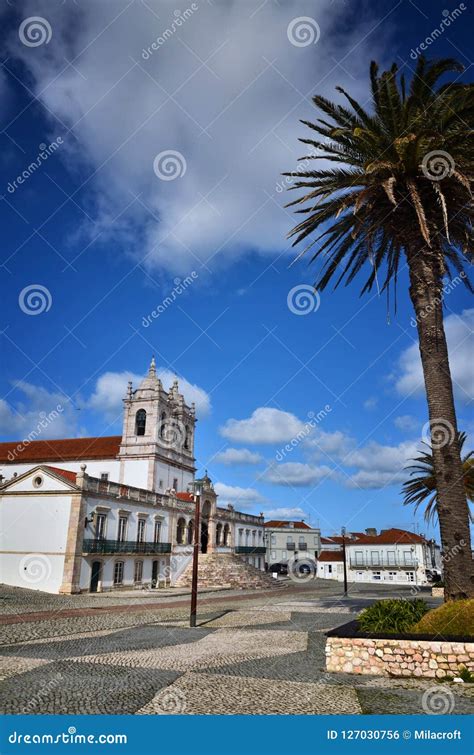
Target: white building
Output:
{"points": [[290, 542], [103, 513], [394, 555]]}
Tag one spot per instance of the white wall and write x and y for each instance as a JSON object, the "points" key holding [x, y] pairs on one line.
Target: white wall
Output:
{"points": [[33, 540]]}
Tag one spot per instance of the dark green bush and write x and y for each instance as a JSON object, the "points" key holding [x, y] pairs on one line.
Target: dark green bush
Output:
{"points": [[395, 616]]}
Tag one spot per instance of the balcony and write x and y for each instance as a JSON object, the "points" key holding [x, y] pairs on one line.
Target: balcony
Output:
{"points": [[383, 563], [255, 550], [290, 546], [302, 546], [125, 546]]}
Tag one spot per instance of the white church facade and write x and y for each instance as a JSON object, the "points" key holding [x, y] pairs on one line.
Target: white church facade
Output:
{"points": [[92, 514]]}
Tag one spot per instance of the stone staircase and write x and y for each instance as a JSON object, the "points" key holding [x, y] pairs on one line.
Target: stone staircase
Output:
{"points": [[226, 570]]}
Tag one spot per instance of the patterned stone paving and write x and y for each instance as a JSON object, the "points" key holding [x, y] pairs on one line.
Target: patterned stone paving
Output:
{"points": [[265, 657]]}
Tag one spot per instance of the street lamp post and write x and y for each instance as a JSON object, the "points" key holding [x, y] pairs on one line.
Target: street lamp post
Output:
{"points": [[194, 583], [343, 533]]}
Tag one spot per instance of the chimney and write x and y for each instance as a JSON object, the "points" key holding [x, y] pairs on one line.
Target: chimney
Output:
{"points": [[371, 531]]}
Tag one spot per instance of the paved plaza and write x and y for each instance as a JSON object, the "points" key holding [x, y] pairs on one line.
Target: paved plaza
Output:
{"points": [[251, 653]]}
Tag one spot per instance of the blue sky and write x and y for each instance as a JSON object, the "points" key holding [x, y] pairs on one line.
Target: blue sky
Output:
{"points": [[108, 236]]}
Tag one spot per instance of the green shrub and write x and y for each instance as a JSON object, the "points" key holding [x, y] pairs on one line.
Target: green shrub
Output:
{"points": [[455, 618], [395, 616]]}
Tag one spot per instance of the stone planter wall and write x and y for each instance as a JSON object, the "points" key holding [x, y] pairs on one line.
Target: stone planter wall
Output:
{"points": [[420, 658]]}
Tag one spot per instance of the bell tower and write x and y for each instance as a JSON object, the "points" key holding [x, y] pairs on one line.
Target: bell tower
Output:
{"points": [[157, 449]]}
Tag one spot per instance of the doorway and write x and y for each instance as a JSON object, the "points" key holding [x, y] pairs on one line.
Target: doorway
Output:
{"points": [[154, 573], [96, 572], [204, 536]]}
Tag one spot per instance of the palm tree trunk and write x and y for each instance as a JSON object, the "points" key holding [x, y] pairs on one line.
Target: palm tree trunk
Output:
{"points": [[426, 271]]}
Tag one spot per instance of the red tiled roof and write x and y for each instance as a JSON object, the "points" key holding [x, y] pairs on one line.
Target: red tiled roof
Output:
{"points": [[185, 496], [283, 524], [64, 449], [331, 556], [389, 537], [66, 473]]}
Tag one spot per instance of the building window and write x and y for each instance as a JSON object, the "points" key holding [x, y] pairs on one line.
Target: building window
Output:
{"points": [[391, 558], [186, 437], [410, 576], [190, 531], [283, 554], [141, 531], [359, 557], [163, 426], [118, 573], [316, 541], [273, 555], [160, 484], [329, 568], [157, 532], [218, 533], [392, 575], [175, 483], [273, 539], [407, 557], [180, 529], [38, 481], [100, 521], [376, 575], [374, 558], [122, 529], [104, 476], [140, 422], [138, 573]]}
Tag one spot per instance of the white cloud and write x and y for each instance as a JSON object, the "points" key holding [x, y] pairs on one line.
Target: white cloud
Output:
{"points": [[296, 474], [233, 456], [234, 116], [39, 415], [266, 425], [237, 496], [406, 422], [296, 514], [111, 387], [380, 465], [371, 403], [459, 334], [335, 444]]}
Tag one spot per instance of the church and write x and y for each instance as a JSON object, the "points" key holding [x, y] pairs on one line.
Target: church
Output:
{"points": [[117, 512]]}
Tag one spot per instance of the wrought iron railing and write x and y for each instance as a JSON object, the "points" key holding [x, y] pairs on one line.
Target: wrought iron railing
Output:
{"points": [[124, 546], [252, 549]]}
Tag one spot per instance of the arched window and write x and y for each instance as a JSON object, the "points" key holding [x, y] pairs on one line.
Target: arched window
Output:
{"points": [[190, 531], [180, 530], [186, 437], [218, 533], [226, 540], [140, 422], [163, 425]]}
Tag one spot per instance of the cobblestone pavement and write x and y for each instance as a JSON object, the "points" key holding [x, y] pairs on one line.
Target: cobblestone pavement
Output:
{"points": [[264, 655]]}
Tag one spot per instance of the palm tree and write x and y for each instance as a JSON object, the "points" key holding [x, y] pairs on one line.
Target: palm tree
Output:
{"points": [[402, 196], [422, 488]]}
